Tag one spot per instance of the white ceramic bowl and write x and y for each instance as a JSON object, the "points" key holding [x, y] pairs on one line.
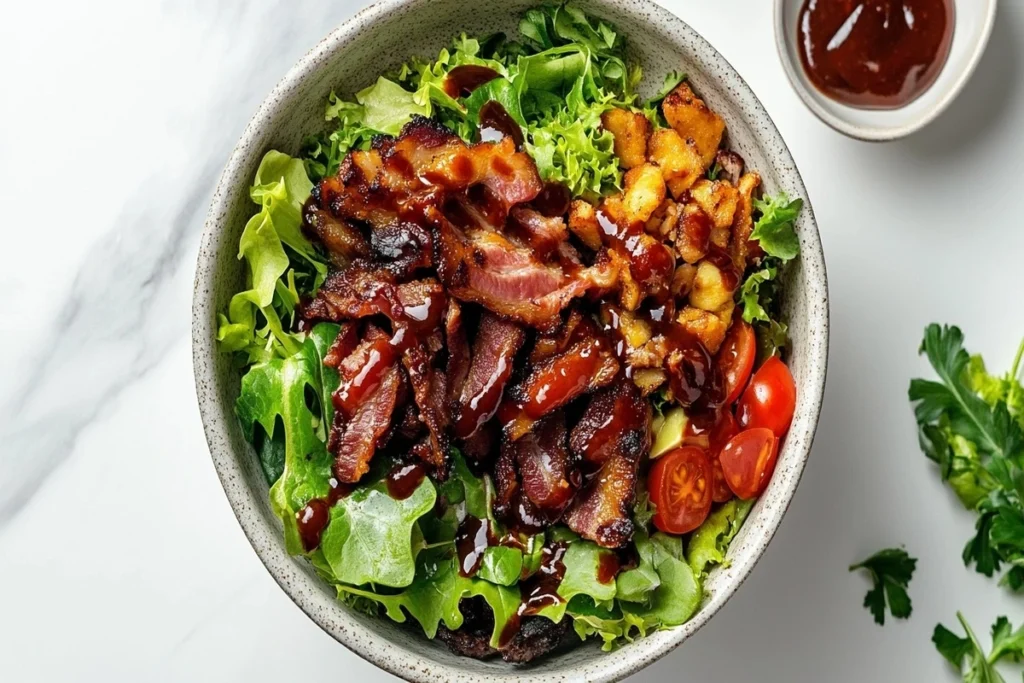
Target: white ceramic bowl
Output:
{"points": [[974, 21], [351, 57]]}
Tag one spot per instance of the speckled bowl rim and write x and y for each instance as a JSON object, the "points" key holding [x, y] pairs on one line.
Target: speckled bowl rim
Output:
{"points": [[266, 541], [878, 133]]}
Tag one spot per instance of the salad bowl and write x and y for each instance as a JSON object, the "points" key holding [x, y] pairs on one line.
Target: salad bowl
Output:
{"points": [[375, 41]]}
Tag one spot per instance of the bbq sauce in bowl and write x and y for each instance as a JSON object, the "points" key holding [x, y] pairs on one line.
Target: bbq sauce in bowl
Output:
{"points": [[874, 54]]}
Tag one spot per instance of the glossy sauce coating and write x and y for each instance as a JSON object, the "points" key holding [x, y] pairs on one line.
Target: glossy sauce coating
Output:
{"points": [[874, 54], [403, 480]]}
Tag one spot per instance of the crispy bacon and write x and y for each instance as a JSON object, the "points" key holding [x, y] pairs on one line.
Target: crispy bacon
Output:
{"points": [[544, 469], [428, 388], [403, 248], [353, 440], [343, 344], [616, 421], [496, 344], [458, 352], [489, 269], [342, 240], [601, 511], [588, 364], [361, 291], [543, 234], [614, 434], [533, 477]]}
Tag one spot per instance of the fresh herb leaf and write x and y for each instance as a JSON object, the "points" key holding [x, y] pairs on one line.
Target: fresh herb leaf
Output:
{"points": [[968, 652], [501, 565], [891, 571], [371, 536], [774, 227], [710, 542], [966, 427]]}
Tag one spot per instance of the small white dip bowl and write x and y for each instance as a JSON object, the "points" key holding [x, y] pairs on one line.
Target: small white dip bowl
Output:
{"points": [[974, 20]]}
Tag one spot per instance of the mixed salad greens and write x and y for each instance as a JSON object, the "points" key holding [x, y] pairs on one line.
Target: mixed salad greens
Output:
{"points": [[385, 554]]}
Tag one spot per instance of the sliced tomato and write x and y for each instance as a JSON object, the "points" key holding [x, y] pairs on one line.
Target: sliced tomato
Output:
{"points": [[736, 359], [680, 484], [748, 461], [723, 431], [770, 398]]}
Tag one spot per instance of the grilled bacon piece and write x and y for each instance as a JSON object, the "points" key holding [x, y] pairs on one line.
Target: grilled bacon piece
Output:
{"points": [[543, 234], [487, 268], [344, 242], [614, 433], [353, 439], [402, 248], [361, 291], [495, 347], [588, 364], [616, 421], [533, 477], [428, 388]]}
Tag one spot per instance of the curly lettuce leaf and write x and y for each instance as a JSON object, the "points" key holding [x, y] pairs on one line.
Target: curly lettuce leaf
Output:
{"points": [[258, 319], [773, 229], [710, 542]]}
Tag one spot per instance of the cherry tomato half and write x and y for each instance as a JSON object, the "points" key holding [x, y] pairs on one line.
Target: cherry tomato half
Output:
{"points": [[748, 461], [770, 398], [680, 485], [721, 434], [736, 359]]}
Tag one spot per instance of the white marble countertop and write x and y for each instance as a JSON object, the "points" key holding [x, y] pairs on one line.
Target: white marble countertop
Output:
{"points": [[119, 557]]}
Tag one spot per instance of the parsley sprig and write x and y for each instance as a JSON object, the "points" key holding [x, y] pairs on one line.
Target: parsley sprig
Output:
{"points": [[891, 570], [972, 425], [1007, 644]]}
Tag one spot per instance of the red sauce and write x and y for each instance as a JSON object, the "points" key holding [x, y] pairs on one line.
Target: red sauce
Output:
{"points": [[495, 123], [650, 261], [608, 567], [699, 425], [402, 480], [541, 589], [313, 518], [471, 540], [875, 54], [693, 375], [463, 80]]}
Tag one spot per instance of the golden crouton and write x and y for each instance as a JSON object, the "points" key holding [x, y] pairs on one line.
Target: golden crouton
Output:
{"points": [[583, 223], [706, 326], [664, 221], [630, 294], [680, 164], [692, 119], [649, 379], [631, 130], [743, 222], [682, 280], [645, 191], [710, 290], [693, 234], [718, 199]]}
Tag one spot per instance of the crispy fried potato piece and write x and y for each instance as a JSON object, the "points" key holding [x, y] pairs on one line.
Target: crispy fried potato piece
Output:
{"points": [[710, 291], [645, 191], [719, 200], [693, 234], [708, 327], [631, 130], [693, 119], [680, 163], [583, 223], [682, 280], [740, 248], [665, 220], [648, 380]]}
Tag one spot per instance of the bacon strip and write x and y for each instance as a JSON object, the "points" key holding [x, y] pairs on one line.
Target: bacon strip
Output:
{"points": [[495, 347]]}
